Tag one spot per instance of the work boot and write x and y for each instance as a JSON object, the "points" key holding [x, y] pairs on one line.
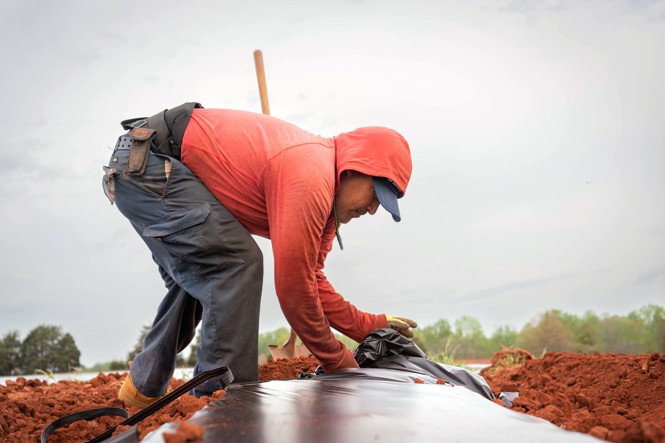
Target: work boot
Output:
{"points": [[132, 397]]}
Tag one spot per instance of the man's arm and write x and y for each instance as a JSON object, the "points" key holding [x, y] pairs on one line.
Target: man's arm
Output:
{"points": [[299, 189], [342, 315]]}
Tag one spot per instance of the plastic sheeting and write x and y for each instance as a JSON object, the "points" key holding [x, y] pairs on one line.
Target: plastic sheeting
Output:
{"points": [[388, 349], [360, 407], [379, 402]]}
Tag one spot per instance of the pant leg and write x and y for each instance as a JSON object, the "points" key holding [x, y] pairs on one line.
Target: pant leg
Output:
{"points": [[172, 330], [208, 255]]}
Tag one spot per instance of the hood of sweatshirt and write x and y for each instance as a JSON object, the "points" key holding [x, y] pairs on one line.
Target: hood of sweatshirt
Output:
{"points": [[374, 151]]}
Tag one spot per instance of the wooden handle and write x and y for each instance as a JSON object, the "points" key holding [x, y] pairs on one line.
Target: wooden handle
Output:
{"points": [[261, 76]]}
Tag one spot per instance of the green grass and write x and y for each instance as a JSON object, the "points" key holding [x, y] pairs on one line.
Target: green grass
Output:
{"points": [[447, 356]]}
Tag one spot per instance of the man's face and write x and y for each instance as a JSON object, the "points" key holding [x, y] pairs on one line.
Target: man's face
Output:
{"points": [[355, 197]]}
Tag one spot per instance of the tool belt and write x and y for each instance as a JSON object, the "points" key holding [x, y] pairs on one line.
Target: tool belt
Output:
{"points": [[162, 134]]}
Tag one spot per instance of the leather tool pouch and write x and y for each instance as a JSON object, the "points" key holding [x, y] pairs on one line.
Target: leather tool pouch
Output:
{"points": [[142, 138]]}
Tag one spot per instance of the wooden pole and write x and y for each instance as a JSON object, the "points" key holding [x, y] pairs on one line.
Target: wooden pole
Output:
{"points": [[261, 76]]}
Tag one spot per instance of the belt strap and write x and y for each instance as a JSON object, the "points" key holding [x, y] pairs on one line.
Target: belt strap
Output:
{"points": [[162, 133], [170, 125]]}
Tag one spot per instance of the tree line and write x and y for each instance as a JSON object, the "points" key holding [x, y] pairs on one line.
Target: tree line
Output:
{"points": [[642, 331], [46, 348]]}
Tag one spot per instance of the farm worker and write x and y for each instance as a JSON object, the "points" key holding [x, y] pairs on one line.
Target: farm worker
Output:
{"points": [[196, 184]]}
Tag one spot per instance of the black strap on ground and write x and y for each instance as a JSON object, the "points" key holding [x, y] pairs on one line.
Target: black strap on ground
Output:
{"points": [[223, 374], [89, 414], [225, 378]]}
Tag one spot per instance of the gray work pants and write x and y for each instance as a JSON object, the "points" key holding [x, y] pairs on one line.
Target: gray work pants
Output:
{"points": [[211, 266]]}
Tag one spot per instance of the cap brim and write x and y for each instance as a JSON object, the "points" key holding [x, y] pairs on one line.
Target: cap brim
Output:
{"points": [[387, 195]]}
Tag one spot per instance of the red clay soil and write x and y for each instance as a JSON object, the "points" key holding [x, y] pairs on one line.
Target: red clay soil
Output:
{"points": [[184, 432], [284, 369], [615, 397], [28, 406], [619, 398]]}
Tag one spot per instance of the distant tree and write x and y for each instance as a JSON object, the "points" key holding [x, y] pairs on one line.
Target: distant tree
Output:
{"points": [[467, 326], [640, 332], [37, 348], [117, 365], [548, 333], [469, 338], [46, 348], [432, 339], [587, 334], [504, 336], [585, 330], [619, 334], [113, 365], [10, 353], [653, 320], [67, 354]]}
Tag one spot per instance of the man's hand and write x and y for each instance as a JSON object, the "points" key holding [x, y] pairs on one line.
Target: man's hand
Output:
{"points": [[401, 325]]}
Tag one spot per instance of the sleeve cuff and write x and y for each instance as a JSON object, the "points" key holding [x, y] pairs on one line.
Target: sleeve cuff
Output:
{"points": [[347, 362], [381, 322]]}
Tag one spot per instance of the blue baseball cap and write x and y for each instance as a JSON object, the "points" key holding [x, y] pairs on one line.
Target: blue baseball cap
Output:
{"points": [[387, 194]]}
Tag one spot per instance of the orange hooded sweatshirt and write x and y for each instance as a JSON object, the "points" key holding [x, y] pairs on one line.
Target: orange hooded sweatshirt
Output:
{"points": [[280, 181]]}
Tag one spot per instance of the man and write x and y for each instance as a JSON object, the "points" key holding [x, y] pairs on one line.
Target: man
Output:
{"points": [[262, 176]]}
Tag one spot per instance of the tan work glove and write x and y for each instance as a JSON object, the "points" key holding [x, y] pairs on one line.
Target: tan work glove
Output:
{"points": [[401, 325]]}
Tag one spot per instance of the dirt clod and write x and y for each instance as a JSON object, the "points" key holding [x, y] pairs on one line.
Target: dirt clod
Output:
{"points": [[284, 369], [185, 432], [615, 397]]}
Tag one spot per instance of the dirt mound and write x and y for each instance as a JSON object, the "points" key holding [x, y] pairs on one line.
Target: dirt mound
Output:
{"points": [[28, 406], [283, 369], [616, 397], [508, 357]]}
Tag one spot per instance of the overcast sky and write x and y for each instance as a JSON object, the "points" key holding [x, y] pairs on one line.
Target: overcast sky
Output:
{"points": [[536, 129]]}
